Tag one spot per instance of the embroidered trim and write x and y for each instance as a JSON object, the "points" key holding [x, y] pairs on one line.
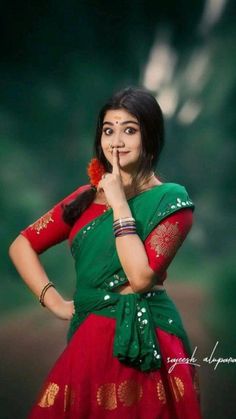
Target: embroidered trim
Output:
{"points": [[173, 207], [42, 222], [161, 392], [178, 388], [129, 392], [106, 396], [49, 395], [166, 239], [69, 398]]}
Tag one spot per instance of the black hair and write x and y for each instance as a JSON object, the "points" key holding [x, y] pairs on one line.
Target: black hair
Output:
{"points": [[143, 105]]}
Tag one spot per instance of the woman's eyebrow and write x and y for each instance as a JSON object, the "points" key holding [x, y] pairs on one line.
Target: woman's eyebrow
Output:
{"points": [[122, 123]]}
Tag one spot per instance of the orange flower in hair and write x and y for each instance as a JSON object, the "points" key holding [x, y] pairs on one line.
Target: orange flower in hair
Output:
{"points": [[95, 170]]}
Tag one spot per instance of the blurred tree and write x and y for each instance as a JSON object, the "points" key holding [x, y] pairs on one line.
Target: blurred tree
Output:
{"points": [[59, 63]]}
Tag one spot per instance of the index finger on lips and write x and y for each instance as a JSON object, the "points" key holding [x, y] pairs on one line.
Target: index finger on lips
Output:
{"points": [[115, 162]]}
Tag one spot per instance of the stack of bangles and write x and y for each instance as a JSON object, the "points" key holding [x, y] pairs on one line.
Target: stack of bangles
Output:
{"points": [[124, 226], [43, 292]]}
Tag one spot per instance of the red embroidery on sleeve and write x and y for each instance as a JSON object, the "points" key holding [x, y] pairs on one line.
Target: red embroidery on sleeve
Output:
{"points": [[164, 241], [42, 222], [50, 229]]}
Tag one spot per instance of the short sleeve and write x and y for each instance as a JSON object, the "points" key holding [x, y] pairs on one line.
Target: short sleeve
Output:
{"points": [[50, 229], [166, 238]]}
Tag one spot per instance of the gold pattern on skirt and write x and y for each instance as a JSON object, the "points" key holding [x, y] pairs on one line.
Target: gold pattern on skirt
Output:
{"points": [[161, 392], [106, 396], [166, 239], [49, 395], [69, 398], [42, 222], [129, 392], [178, 387]]}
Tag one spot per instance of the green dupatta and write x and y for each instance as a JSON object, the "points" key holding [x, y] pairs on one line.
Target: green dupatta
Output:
{"points": [[99, 273]]}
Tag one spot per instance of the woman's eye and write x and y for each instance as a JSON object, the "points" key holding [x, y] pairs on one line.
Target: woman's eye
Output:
{"points": [[107, 131], [130, 130]]}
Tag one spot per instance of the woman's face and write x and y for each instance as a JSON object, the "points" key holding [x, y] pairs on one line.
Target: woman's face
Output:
{"points": [[122, 130]]}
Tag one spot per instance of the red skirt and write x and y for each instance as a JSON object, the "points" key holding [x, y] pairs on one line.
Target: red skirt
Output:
{"points": [[88, 382]]}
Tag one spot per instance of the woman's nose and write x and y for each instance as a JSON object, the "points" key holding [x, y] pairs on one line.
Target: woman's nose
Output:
{"points": [[117, 140]]}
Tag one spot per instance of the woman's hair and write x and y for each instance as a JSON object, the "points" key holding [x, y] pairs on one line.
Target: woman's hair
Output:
{"points": [[141, 104]]}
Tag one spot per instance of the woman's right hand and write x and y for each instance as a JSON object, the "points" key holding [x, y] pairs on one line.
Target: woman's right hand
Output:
{"points": [[29, 266]]}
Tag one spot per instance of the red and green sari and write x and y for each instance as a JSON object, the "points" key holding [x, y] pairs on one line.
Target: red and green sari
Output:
{"points": [[117, 361]]}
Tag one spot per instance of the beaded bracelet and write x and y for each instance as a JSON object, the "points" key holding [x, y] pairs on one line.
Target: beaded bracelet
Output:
{"points": [[43, 292]]}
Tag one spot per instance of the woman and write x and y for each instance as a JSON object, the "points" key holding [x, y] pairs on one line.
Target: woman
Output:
{"points": [[124, 228]]}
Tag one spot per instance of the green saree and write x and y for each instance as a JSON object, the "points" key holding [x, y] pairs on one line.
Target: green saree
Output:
{"points": [[99, 273]]}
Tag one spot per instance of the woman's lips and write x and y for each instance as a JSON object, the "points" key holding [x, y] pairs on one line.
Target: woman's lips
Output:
{"points": [[122, 153]]}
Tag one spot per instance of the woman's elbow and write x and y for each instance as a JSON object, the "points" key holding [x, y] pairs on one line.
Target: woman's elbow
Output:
{"points": [[143, 282]]}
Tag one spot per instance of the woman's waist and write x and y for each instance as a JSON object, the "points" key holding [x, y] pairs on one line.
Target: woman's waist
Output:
{"points": [[151, 309], [156, 301], [127, 289], [115, 283]]}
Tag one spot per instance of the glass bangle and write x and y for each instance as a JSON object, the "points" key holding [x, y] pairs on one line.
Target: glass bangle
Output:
{"points": [[43, 292]]}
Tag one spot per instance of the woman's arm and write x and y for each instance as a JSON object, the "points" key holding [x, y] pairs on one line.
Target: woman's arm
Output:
{"points": [[28, 264], [145, 263], [130, 248], [44, 233], [132, 255]]}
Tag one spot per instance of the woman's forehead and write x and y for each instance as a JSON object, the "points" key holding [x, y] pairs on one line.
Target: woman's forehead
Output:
{"points": [[119, 115]]}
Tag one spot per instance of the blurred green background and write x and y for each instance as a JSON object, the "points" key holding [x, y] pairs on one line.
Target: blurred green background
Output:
{"points": [[60, 61]]}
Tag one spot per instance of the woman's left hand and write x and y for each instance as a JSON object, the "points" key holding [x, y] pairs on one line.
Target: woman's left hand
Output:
{"points": [[112, 184], [63, 309]]}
